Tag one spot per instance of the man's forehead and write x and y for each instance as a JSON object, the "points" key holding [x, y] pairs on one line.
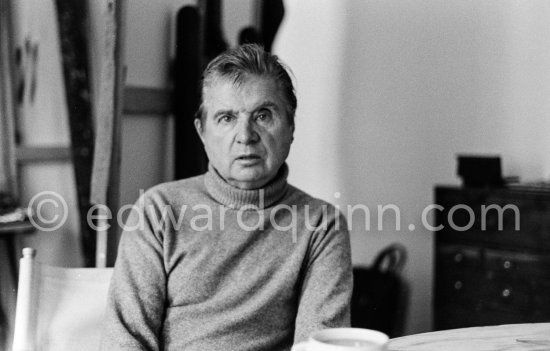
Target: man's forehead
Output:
{"points": [[224, 92], [242, 83]]}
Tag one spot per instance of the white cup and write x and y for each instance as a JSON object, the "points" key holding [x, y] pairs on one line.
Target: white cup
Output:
{"points": [[344, 339]]}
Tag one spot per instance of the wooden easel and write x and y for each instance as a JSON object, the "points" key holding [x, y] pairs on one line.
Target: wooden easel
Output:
{"points": [[84, 146], [96, 160]]}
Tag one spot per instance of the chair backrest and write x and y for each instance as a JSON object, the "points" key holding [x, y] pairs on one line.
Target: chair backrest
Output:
{"points": [[59, 308]]}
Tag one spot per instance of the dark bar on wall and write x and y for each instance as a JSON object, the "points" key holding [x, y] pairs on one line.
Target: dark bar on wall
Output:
{"points": [[147, 101]]}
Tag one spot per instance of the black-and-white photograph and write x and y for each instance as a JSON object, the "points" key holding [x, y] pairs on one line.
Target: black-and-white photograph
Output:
{"points": [[274, 175]]}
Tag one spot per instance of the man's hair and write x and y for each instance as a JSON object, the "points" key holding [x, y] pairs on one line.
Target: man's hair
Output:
{"points": [[250, 59]]}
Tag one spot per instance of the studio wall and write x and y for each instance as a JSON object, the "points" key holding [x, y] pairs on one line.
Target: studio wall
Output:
{"points": [[391, 91]]}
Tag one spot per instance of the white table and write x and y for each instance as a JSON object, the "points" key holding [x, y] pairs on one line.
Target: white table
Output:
{"points": [[511, 337]]}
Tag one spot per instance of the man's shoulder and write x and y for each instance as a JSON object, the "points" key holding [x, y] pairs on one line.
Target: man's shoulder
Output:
{"points": [[180, 184], [172, 190], [317, 210], [300, 197]]}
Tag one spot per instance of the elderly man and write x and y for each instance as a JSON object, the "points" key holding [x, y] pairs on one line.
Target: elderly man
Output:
{"points": [[235, 259]]}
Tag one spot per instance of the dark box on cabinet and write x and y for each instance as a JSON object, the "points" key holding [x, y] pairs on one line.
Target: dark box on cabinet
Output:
{"points": [[480, 171]]}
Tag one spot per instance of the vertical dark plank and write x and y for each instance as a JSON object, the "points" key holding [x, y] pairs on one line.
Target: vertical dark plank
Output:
{"points": [[113, 195], [72, 19], [8, 109], [272, 13], [190, 158], [214, 41]]}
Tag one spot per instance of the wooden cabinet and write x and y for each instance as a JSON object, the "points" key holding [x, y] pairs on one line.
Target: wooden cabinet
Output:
{"points": [[492, 256]]}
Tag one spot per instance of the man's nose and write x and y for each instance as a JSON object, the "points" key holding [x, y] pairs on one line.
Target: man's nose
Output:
{"points": [[246, 133]]}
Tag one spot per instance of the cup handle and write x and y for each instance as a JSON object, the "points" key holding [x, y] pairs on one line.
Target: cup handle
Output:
{"points": [[301, 346]]}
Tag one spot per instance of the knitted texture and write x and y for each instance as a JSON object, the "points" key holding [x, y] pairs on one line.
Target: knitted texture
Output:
{"points": [[231, 269]]}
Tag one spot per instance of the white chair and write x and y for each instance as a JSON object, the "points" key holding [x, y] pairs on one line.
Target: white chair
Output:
{"points": [[59, 308]]}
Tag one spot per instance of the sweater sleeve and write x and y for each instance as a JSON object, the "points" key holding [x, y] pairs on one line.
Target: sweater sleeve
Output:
{"points": [[135, 309], [327, 281]]}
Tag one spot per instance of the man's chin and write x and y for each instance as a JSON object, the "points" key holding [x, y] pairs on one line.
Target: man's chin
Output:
{"points": [[250, 179]]}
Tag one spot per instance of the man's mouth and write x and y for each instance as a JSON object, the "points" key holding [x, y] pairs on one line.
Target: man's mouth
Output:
{"points": [[251, 157]]}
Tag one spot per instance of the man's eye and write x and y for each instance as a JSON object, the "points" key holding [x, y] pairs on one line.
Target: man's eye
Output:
{"points": [[263, 115], [225, 118]]}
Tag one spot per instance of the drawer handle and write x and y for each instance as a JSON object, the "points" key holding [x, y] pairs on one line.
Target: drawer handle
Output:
{"points": [[458, 257], [506, 293], [458, 285]]}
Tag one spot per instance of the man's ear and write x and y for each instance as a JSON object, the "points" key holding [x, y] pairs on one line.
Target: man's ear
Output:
{"points": [[198, 127]]}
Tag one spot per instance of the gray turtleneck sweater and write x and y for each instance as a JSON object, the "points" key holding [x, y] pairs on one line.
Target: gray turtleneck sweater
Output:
{"points": [[228, 269]]}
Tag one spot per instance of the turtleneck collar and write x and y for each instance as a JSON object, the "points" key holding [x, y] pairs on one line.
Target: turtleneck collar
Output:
{"points": [[236, 198]]}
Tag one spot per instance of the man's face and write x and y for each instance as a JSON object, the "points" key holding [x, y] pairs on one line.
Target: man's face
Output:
{"points": [[246, 131]]}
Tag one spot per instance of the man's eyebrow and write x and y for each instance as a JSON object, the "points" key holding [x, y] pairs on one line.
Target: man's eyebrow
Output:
{"points": [[267, 104], [224, 112], [264, 104]]}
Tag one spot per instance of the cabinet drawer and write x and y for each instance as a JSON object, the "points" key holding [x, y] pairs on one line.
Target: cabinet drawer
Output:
{"points": [[517, 265], [459, 288], [458, 274], [492, 292], [501, 280], [504, 294], [491, 266], [542, 299], [459, 316], [519, 220], [458, 258]]}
